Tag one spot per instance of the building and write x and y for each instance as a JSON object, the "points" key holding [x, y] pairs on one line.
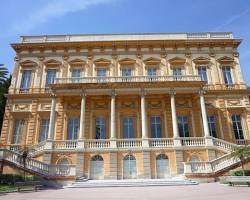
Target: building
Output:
{"points": [[121, 106]]}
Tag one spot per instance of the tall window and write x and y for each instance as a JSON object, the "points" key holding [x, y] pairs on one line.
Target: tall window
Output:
{"points": [[156, 126], [212, 125], [177, 72], [127, 72], [18, 131], [183, 126], [25, 82], [128, 127], [44, 129], [152, 71], [227, 75], [101, 72], [51, 76], [73, 125], [76, 73], [202, 71], [100, 128], [237, 127]]}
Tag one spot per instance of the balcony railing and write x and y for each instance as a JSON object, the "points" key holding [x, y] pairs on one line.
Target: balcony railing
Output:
{"points": [[161, 142], [129, 143], [119, 79], [65, 144], [193, 141]]}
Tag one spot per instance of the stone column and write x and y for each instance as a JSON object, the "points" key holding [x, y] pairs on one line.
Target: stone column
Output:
{"points": [[51, 121], [204, 119], [82, 122], [112, 121], [144, 121]]}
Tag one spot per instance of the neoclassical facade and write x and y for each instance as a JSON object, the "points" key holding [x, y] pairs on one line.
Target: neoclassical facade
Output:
{"points": [[122, 106]]}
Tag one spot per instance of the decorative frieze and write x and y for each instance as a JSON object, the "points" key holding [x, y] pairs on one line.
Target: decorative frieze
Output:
{"points": [[234, 103], [21, 108], [44, 107]]}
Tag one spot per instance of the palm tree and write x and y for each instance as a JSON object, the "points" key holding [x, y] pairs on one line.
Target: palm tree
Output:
{"points": [[243, 154], [3, 73]]}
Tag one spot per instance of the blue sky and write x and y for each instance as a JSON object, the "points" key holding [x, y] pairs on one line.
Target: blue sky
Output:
{"points": [[32, 17]]}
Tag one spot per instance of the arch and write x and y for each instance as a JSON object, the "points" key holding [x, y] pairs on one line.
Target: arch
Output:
{"points": [[63, 166], [162, 166], [127, 61], [52, 62], [152, 61], [129, 167], [97, 167], [28, 63], [102, 62], [194, 158]]}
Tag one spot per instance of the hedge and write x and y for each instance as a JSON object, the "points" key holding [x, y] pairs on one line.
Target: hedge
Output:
{"points": [[10, 179], [240, 173]]}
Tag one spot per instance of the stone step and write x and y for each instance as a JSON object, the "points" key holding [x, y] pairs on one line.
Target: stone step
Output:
{"points": [[131, 183]]}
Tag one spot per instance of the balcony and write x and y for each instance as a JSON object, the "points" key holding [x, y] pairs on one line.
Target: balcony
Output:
{"points": [[132, 79]]}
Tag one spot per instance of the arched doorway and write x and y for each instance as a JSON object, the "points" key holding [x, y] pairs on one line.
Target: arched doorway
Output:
{"points": [[63, 167], [96, 167], [129, 167], [162, 166]]}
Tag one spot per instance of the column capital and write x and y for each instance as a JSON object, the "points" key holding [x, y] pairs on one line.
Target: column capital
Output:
{"points": [[202, 92], [83, 93], [113, 93], [172, 92], [52, 95], [142, 92]]}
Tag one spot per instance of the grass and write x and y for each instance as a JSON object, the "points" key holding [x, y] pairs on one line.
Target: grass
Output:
{"points": [[7, 188]]}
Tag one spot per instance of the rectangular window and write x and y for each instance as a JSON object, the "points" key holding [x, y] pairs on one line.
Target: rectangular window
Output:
{"points": [[156, 126], [101, 72], [126, 72], [100, 128], [152, 71], [76, 73], [177, 72], [202, 71], [18, 131], [44, 129], [227, 75], [237, 127], [212, 125], [128, 127], [25, 82], [73, 125], [183, 126], [51, 76]]}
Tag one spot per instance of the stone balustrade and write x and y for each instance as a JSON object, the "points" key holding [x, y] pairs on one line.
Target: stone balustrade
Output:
{"points": [[193, 141], [65, 144], [224, 145], [97, 144], [129, 143], [161, 142]]}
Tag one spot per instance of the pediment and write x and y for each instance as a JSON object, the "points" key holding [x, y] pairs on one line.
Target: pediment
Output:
{"points": [[28, 63], [177, 60], [53, 62], [102, 62], [201, 60], [152, 61], [77, 62], [127, 61], [225, 59]]}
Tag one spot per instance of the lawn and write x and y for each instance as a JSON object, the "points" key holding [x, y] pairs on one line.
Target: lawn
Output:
{"points": [[7, 188]]}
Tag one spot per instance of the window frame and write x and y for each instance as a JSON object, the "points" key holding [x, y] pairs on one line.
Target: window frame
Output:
{"points": [[182, 124], [155, 125], [239, 127]]}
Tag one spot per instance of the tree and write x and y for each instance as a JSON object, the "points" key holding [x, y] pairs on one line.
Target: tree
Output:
{"points": [[3, 73], [243, 154]]}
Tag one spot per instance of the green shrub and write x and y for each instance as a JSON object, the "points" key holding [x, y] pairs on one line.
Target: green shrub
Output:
{"points": [[240, 173], [10, 179]]}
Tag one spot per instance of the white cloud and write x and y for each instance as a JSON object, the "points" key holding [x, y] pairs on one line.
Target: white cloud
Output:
{"points": [[53, 9]]}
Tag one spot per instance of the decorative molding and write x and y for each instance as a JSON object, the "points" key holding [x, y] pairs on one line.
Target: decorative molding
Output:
{"points": [[21, 108], [74, 106], [128, 104], [234, 103], [44, 107], [155, 104]]}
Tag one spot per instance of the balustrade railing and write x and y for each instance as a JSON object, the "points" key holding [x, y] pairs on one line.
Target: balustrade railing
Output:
{"points": [[242, 142], [97, 144], [224, 145], [161, 142], [65, 144], [193, 141], [129, 143], [119, 79]]}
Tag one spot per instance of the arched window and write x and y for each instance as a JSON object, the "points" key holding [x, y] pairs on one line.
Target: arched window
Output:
{"points": [[162, 166], [97, 158], [63, 166], [195, 158], [194, 166], [161, 156], [97, 167], [129, 167], [129, 157]]}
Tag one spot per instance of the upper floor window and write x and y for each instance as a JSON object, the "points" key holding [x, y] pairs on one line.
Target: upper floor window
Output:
{"points": [[100, 128], [177, 72], [237, 127], [212, 125], [18, 131], [127, 72], [76, 73], [101, 72], [44, 129], [26, 79], [51, 76], [73, 125], [227, 75], [202, 71], [156, 126], [152, 71], [183, 126], [128, 127]]}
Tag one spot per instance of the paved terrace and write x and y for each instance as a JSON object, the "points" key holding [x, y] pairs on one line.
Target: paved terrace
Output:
{"points": [[206, 191]]}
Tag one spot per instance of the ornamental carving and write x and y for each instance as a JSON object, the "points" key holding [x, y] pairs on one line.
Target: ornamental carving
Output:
{"points": [[154, 104], [128, 104], [45, 106], [210, 103], [100, 105], [21, 107], [234, 102], [74, 106], [183, 103]]}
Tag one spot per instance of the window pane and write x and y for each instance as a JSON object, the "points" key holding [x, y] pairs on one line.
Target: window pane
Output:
{"points": [[76, 73], [227, 75], [177, 72], [151, 71], [101, 72], [212, 125], [51, 76], [73, 125], [100, 128], [237, 127], [156, 126], [183, 126], [202, 73], [26, 77], [128, 127], [44, 129], [18, 131], [127, 72]]}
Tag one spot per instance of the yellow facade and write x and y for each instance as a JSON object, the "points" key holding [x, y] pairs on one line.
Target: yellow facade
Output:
{"points": [[139, 96]]}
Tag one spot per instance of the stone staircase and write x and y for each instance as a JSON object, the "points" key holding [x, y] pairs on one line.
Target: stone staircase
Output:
{"points": [[131, 183]]}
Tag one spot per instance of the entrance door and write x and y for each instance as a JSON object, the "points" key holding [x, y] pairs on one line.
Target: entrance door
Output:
{"points": [[96, 168], [162, 166], [129, 167]]}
